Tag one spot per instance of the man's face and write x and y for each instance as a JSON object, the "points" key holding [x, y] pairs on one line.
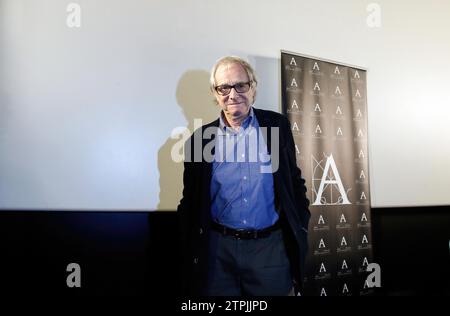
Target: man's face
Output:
{"points": [[235, 105]]}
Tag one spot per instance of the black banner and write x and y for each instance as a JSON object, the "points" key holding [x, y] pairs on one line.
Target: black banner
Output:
{"points": [[327, 106]]}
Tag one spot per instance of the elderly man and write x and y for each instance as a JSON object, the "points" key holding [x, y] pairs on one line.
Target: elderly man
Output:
{"points": [[244, 212]]}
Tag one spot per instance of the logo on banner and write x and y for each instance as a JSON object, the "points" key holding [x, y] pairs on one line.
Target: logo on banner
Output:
{"points": [[327, 184], [321, 224], [363, 199], [345, 291], [338, 73], [340, 134], [318, 131], [337, 92], [361, 177], [322, 247], [339, 112], [293, 85], [364, 242], [363, 265], [358, 96], [355, 76], [358, 114], [315, 70], [344, 268], [317, 110], [360, 135], [343, 244], [292, 66], [296, 129], [363, 220], [316, 90], [360, 156], [295, 107], [322, 273], [342, 222]]}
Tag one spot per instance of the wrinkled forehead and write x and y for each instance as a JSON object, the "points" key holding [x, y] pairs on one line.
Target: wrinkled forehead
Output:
{"points": [[230, 73]]}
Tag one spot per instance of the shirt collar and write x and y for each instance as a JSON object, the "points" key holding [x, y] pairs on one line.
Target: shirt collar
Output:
{"points": [[249, 121]]}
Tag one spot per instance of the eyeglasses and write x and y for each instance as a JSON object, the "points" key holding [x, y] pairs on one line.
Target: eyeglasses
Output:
{"points": [[240, 87]]}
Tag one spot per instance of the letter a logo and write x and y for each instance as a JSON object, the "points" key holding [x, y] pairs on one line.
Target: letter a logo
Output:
{"points": [[316, 66], [321, 243], [374, 279], [322, 268], [321, 220], [335, 180], [345, 288], [74, 278], [344, 265], [74, 18], [294, 83]]}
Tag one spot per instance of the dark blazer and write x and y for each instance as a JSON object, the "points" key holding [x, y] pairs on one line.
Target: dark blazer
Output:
{"points": [[195, 205]]}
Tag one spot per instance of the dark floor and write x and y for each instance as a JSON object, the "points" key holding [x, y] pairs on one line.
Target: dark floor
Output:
{"points": [[133, 253]]}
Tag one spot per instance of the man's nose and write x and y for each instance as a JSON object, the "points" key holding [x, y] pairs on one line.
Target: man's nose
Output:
{"points": [[233, 93]]}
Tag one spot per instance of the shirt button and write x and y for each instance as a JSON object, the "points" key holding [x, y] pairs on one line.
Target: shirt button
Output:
{"points": [[244, 221], [243, 155], [245, 178], [245, 200]]}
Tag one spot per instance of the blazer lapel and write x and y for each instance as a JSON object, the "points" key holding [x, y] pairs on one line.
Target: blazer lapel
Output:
{"points": [[264, 122]]}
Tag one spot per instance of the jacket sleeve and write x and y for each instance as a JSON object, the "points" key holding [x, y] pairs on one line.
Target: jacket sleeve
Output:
{"points": [[188, 185], [184, 212]]}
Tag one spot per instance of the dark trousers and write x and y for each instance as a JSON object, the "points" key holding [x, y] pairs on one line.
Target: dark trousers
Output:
{"points": [[248, 267]]}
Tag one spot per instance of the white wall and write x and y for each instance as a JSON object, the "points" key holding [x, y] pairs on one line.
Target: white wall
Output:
{"points": [[86, 113]]}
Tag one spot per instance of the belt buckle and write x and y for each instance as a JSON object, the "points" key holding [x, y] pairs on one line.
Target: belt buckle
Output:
{"points": [[245, 234], [251, 234]]}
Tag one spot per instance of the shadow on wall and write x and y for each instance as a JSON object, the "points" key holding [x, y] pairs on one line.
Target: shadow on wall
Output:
{"points": [[196, 102]]}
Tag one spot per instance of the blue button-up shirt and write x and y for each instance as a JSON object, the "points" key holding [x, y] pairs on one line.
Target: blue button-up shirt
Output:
{"points": [[242, 197]]}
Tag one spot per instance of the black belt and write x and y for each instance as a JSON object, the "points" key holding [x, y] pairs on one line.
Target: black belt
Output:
{"points": [[244, 233]]}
